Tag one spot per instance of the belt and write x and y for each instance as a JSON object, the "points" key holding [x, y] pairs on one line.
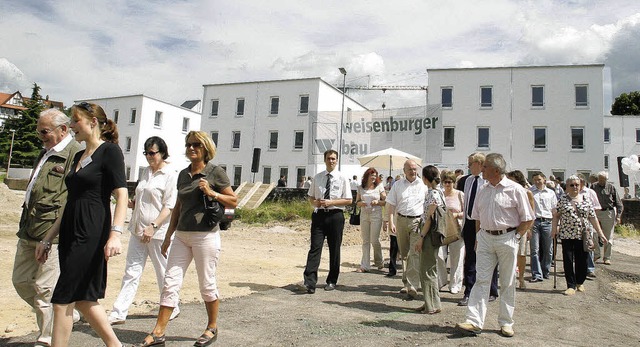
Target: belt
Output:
{"points": [[542, 219], [411, 217], [607, 209], [330, 210], [500, 232]]}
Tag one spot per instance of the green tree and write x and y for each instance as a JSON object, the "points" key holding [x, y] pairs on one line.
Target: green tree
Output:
{"points": [[26, 144], [626, 104]]}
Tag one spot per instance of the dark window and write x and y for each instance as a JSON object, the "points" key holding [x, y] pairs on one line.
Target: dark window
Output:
{"points": [[214, 107], [214, 137], [266, 174], [577, 138], [273, 140], [235, 136], [240, 107], [185, 124], [237, 175], [298, 139], [275, 105], [304, 103], [116, 114], [606, 161], [637, 135], [447, 97], [582, 98], [157, 120], [486, 96], [449, 137], [132, 120], [537, 96], [483, 137], [607, 135], [540, 138]]}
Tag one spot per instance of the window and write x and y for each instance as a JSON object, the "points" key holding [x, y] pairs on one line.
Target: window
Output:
{"points": [[300, 173], [214, 137], [449, 137], [185, 124], [298, 139], [304, 104], [275, 105], [607, 135], [540, 138], [577, 138], [559, 174], [214, 107], [239, 107], [132, 120], [486, 96], [266, 174], [447, 96], [128, 172], [157, 121], [235, 140], [637, 135], [116, 114], [483, 137], [582, 99], [537, 96], [127, 144], [284, 171], [273, 140], [606, 162], [237, 175]]}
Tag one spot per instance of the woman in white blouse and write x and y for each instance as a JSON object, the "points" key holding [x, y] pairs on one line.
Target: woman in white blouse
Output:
{"points": [[155, 196], [370, 199]]}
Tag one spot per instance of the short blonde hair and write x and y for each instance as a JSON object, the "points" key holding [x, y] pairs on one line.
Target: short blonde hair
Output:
{"points": [[206, 141]]}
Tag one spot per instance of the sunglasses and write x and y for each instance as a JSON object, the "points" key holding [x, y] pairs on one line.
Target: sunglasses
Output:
{"points": [[151, 153], [448, 182], [86, 106], [47, 131], [194, 145]]}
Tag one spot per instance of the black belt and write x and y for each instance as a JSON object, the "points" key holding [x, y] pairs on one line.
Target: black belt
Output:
{"points": [[607, 209], [500, 232], [542, 219], [410, 217], [331, 210]]}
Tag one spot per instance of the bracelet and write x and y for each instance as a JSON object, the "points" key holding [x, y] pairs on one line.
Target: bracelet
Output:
{"points": [[47, 245], [116, 228]]}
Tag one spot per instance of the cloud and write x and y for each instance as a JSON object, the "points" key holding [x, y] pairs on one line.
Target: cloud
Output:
{"points": [[12, 79], [623, 56]]}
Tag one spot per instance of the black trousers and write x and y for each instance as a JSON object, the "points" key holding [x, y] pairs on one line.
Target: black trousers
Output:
{"points": [[327, 224], [574, 260], [393, 254], [469, 269]]}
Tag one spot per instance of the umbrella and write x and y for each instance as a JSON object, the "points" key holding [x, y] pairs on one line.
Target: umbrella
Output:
{"points": [[389, 158]]}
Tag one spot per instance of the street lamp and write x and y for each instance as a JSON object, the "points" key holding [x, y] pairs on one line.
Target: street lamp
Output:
{"points": [[13, 134], [344, 90]]}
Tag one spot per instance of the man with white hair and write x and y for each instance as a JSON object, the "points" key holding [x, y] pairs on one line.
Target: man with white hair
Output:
{"points": [[45, 198], [609, 215]]}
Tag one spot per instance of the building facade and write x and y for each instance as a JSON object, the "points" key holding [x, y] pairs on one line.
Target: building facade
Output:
{"points": [[139, 117]]}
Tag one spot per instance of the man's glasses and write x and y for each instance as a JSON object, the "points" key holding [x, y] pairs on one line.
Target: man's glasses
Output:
{"points": [[45, 132], [151, 153], [194, 145], [86, 106]]}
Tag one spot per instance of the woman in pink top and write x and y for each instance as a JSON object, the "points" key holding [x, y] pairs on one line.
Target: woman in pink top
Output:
{"points": [[455, 250]]}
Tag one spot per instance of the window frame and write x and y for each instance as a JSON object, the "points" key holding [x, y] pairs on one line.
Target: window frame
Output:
{"points": [[237, 176], [266, 169], [606, 163], [275, 112], [581, 104], [157, 119], [478, 134], [233, 139], [300, 110], [240, 110], [448, 105], [451, 129], [544, 146], [271, 145], [485, 105], [215, 136], [116, 115], [577, 147], [606, 135], [186, 122], [127, 144], [535, 104], [133, 115], [215, 110], [295, 140]]}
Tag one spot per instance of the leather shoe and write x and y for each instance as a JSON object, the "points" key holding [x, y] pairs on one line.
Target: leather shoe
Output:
{"points": [[492, 298], [464, 301], [469, 327], [390, 274], [330, 286], [311, 290], [506, 331]]}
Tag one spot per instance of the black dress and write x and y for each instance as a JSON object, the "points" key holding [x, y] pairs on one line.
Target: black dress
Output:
{"points": [[86, 225]]}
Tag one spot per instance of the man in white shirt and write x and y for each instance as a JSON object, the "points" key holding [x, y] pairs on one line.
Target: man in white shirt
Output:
{"points": [[406, 199], [503, 215], [329, 194], [45, 198], [541, 243]]}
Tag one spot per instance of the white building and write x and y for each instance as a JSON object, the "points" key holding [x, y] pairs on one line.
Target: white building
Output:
{"points": [[139, 117], [278, 117], [621, 137], [541, 118]]}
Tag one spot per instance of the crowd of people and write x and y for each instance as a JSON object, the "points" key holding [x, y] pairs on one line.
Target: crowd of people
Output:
{"points": [[68, 224]]}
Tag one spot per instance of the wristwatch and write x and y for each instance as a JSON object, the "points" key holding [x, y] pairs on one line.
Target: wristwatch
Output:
{"points": [[154, 225], [518, 236]]}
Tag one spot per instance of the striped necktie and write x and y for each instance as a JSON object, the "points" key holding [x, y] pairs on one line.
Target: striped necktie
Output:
{"points": [[327, 191]]}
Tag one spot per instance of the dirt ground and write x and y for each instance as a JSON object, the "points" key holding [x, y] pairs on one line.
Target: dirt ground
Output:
{"points": [[256, 259]]}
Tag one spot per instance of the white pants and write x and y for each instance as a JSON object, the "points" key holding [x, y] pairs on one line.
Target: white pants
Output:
{"points": [[136, 260], [492, 250], [202, 247], [455, 254], [370, 226]]}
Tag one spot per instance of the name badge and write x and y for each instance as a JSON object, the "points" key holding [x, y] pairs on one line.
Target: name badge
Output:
{"points": [[86, 161]]}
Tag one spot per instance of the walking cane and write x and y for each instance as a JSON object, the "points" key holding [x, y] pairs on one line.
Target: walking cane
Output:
{"points": [[555, 266]]}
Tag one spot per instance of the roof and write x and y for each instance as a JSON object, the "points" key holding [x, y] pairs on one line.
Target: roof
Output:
{"points": [[518, 67], [134, 95], [4, 97]]}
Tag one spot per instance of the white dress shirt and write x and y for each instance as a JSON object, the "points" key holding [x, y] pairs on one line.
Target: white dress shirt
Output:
{"points": [[545, 201], [502, 206], [340, 187], [408, 197], [154, 192]]}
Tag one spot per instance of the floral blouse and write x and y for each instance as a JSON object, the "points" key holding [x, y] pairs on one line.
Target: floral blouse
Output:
{"points": [[570, 225]]}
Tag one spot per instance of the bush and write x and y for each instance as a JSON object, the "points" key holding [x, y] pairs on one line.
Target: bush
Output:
{"points": [[626, 230], [276, 211]]}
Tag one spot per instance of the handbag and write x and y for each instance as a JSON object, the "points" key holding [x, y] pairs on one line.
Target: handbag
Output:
{"points": [[437, 225], [354, 219], [453, 228], [213, 211], [587, 235]]}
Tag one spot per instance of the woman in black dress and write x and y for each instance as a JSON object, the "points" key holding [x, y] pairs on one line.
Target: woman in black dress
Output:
{"points": [[87, 235]]}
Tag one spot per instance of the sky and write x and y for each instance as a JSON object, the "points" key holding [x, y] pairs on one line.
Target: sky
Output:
{"points": [[168, 49]]}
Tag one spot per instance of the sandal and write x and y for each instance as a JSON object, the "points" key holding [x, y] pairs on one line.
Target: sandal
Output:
{"points": [[361, 270], [420, 309], [157, 341], [206, 340], [431, 312]]}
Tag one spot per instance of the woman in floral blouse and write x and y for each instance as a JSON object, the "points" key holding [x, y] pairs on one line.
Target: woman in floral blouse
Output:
{"points": [[572, 214]]}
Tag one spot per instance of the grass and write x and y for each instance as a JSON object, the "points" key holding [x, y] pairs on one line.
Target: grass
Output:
{"points": [[627, 230], [276, 211]]}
